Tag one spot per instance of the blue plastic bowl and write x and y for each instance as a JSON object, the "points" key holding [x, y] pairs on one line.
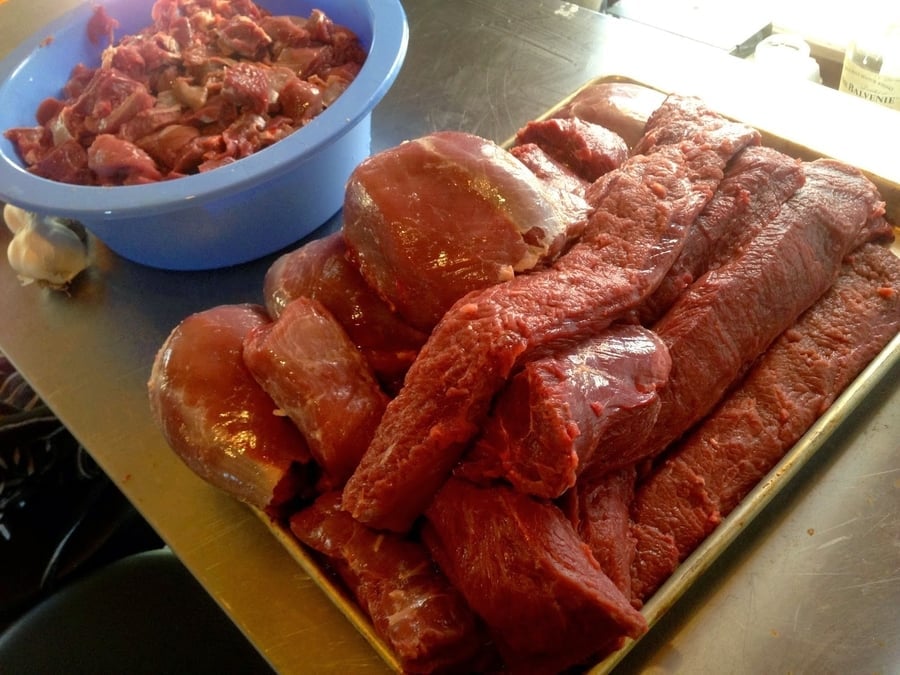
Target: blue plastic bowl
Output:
{"points": [[230, 215]]}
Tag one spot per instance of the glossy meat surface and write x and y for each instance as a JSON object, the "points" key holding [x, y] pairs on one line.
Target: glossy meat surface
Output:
{"points": [[311, 369], [442, 215], [320, 270], [217, 418], [565, 412], [643, 211]]}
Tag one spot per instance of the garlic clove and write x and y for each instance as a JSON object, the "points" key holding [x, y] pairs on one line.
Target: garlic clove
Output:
{"points": [[47, 251], [16, 217]]}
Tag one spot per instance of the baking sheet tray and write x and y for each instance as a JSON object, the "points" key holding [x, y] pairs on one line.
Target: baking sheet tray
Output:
{"points": [[692, 569]]}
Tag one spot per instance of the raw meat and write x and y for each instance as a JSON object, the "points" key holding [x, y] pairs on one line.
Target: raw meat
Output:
{"points": [[588, 150], [759, 180], [307, 364], [729, 316], [599, 508], [791, 385], [320, 270], [565, 412], [643, 211], [442, 215], [412, 605], [218, 420], [623, 107], [209, 67], [523, 569]]}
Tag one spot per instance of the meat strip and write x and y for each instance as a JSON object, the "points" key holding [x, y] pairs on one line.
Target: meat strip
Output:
{"points": [[412, 605], [755, 186], [548, 422], [792, 384], [523, 569], [643, 211], [732, 314]]}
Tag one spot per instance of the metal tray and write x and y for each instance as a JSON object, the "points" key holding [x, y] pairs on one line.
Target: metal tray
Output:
{"points": [[694, 567]]}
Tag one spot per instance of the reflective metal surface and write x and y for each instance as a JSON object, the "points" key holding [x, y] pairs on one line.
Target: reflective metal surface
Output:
{"points": [[811, 585]]}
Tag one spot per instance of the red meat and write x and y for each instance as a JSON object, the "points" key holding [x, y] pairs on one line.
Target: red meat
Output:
{"points": [[791, 385], [412, 605], [643, 211], [729, 316], [216, 417], [311, 369], [320, 270], [564, 413], [588, 150], [442, 215], [523, 569]]}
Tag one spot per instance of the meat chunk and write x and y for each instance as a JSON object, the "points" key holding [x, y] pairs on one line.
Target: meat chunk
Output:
{"points": [[320, 270], [311, 369], [791, 385], [623, 107], [412, 605], [218, 420], [731, 314], [442, 215], [588, 150], [599, 508], [643, 211], [563, 413], [523, 569]]}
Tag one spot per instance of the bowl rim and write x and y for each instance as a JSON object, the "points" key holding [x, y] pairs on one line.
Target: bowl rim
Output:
{"points": [[387, 51]]}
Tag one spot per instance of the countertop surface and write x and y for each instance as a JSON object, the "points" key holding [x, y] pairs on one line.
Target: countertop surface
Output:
{"points": [[810, 585]]}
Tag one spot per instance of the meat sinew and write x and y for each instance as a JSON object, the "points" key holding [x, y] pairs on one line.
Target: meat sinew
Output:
{"points": [[790, 386], [564, 412], [524, 570], [436, 217], [320, 270], [311, 369], [217, 418], [643, 211], [412, 605]]}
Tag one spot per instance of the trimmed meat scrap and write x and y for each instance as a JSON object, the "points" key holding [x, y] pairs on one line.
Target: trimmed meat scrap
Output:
{"points": [[643, 211], [216, 417], [564, 413], [412, 605], [523, 569], [791, 385], [311, 369]]}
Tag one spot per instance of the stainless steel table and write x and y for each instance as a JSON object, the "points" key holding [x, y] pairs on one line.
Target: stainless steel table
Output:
{"points": [[812, 585]]}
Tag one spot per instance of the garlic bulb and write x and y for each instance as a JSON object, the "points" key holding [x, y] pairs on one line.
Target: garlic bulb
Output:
{"points": [[47, 250]]}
